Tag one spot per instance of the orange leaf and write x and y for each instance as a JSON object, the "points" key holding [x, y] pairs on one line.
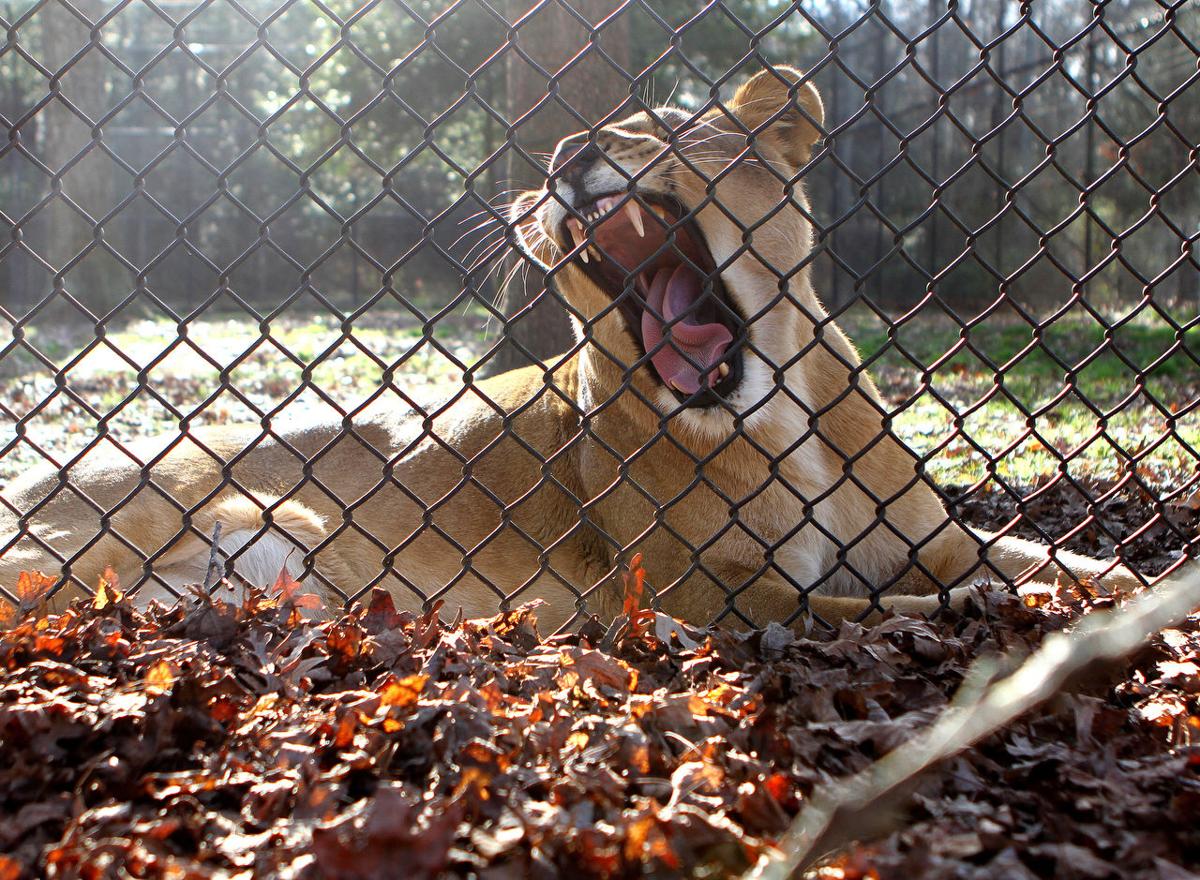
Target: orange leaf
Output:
{"points": [[49, 644], [159, 678], [32, 586], [474, 778], [9, 869], [285, 585], [108, 589], [345, 640], [223, 709], [287, 589], [345, 731], [7, 613], [645, 841], [778, 786], [403, 692], [635, 582], [114, 582]]}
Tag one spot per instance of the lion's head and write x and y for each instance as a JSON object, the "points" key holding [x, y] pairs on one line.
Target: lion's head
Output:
{"points": [[672, 236]]}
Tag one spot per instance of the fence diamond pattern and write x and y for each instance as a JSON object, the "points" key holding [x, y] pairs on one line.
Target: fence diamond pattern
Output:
{"points": [[980, 168]]}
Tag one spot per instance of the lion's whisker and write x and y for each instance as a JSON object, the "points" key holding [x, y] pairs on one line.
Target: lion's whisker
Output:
{"points": [[491, 221], [488, 253]]}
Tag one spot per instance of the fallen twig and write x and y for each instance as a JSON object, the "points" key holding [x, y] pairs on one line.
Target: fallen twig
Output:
{"points": [[215, 566], [855, 809]]}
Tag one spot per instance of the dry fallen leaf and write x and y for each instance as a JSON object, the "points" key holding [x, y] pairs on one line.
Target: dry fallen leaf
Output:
{"points": [[108, 589], [403, 692], [159, 678], [287, 589], [393, 741], [9, 869], [32, 586], [634, 580]]}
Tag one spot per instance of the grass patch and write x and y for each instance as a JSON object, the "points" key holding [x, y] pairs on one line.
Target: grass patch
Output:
{"points": [[1072, 394], [45, 418], [1127, 390]]}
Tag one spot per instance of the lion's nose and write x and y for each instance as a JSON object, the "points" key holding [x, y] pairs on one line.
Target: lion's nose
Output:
{"points": [[573, 158]]}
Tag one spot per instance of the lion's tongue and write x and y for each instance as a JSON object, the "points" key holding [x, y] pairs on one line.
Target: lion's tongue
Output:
{"points": [[689, 359]]}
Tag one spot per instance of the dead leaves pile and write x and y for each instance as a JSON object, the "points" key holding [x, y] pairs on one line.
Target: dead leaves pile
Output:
{"points": [[233, 739], [1152, 521]]}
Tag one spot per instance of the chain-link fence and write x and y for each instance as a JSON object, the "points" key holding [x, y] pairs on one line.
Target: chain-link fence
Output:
{"points": [[266, 268]]}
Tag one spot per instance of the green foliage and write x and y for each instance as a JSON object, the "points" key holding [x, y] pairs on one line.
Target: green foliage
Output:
{"points": [[288, 160], [360, 137]]}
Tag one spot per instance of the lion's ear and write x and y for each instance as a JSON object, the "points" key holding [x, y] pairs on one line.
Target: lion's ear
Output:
{"points": [[783, 110], [527, 234]]}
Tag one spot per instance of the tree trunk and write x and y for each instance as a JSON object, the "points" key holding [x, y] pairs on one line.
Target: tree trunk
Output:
{"points": [[62, 136], [551, 36]]}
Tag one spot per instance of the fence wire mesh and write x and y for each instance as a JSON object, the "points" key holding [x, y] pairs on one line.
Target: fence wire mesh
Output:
{"points": [[301, 218]]}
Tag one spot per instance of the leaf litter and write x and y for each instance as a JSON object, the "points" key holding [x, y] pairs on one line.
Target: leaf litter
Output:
{"points": [[233, 737]]}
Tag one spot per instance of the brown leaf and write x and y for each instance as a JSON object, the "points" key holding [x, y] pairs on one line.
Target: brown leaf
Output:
{"points": [[100, 601], [581, 664], [381, 612], [383, 837], [288, 590]]}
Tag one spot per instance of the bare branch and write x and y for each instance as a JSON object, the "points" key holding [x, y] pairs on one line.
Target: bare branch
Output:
{"points": [[855, 808], [215, 565]]}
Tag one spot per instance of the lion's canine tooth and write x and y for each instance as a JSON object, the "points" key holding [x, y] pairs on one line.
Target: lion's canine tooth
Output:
{"points": [[723, 369], [583, 254], [634, 213], [576, 230]]}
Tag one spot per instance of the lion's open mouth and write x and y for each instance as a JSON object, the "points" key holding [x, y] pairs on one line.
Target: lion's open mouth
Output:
{"points": [[658, 269]]}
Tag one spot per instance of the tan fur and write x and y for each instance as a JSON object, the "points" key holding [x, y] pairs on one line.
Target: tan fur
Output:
{"points": [[513, 495]]}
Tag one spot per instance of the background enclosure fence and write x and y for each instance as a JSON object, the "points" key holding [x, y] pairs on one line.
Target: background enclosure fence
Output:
{"points": [[245, 210]]}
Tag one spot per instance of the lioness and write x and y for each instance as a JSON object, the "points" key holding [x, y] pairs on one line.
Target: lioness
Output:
{"points": [[711, 418]]}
